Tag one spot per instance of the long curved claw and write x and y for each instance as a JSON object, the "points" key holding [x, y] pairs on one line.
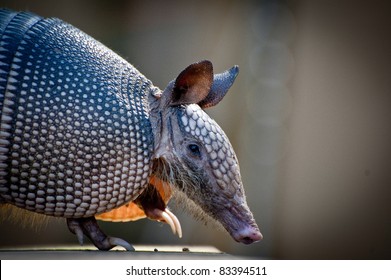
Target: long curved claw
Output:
{"points": [[168, 217], [176, 222], [115, 241], [89, 227], [152, 202]]}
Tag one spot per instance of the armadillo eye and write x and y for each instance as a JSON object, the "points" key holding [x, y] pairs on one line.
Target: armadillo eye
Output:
{"points": [[194, 149]]}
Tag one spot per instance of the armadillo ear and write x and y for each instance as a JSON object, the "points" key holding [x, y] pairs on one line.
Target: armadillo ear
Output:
{"points": [[193, 84], [221, 84]]}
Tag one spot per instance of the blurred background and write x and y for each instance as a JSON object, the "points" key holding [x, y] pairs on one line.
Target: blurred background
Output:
{"points": [[309, 115]]}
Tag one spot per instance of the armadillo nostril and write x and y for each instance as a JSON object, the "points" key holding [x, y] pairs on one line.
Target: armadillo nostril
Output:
{"points": [[248, 236]]}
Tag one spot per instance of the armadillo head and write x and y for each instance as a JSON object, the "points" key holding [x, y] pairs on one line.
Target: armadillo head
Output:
{"points": [[193, 153]]}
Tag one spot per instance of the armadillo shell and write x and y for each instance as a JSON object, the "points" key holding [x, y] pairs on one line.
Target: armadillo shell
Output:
{"points": [[75, 135]]}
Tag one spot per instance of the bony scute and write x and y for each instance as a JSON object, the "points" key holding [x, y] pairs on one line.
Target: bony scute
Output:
{"points": [[75, 145]]}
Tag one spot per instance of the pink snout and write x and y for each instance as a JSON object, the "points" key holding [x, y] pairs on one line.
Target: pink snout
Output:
{"points": [[247, 235]]}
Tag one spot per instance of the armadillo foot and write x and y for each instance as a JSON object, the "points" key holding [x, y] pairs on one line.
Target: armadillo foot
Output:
{"points": [[89, 227]]}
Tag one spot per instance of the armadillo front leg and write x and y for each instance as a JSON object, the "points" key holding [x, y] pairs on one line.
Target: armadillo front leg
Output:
{"points": [[89, 227]]}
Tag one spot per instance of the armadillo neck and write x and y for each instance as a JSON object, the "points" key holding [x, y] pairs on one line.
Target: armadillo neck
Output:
{"points": [[75, 134]]}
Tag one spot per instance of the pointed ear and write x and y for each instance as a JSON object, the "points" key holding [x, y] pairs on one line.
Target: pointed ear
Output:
{"points": [[193, 84], [221, 84]]}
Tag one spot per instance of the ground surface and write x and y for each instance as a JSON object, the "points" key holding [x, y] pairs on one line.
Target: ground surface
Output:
{"points": [[89, 252]]}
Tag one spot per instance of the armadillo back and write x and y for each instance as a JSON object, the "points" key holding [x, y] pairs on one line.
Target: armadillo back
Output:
{"points": [[75, 135]]}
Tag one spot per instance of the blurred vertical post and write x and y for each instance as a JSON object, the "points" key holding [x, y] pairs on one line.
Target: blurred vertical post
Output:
{"points": [[269, 68]]}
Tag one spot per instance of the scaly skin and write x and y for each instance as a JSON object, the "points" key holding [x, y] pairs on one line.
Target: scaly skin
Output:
{"points": [[84, 134]]}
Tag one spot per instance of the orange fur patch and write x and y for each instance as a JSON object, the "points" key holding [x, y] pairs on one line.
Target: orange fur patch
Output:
{"points": [[130, 211]]}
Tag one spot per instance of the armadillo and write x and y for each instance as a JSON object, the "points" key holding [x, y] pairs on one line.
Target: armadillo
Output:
{"points": [[85, 136]]}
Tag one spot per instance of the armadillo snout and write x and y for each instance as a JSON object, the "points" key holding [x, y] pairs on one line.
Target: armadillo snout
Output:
{"points": [[247, 235]]}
